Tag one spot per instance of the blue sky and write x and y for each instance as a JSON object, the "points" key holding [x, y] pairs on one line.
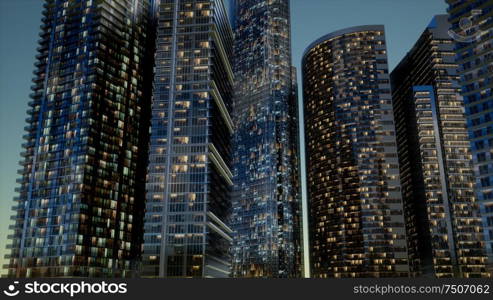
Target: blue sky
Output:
{"points": [[404, 21]]}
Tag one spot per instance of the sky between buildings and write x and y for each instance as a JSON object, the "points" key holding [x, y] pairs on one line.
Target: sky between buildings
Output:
{"points": [[404, 21]]}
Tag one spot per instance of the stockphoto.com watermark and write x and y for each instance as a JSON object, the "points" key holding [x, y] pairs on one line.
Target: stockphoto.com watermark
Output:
{"points": [[468, 30], [68, 288]]}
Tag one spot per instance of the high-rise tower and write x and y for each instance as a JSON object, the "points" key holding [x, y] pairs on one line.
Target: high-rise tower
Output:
{"points": [[357, 226], [266, 202], [189, 175], [445, 234], [471, 28], [80, 206]]}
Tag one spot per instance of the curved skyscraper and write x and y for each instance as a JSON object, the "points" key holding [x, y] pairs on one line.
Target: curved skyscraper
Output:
{"points": [[356, 211], [266, 202]]}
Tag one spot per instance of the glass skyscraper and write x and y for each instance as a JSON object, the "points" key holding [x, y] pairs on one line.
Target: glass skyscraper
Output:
{"points": [[81, 197], [472, 28], [266, 199], [445, 233], [189, 175], [357, 226]]}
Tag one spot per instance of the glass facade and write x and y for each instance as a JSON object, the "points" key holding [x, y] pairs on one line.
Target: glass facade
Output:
{"points": [[445, 232], [357, 226], [81, 197], [189, 175], [474, 56], [266, 198]]}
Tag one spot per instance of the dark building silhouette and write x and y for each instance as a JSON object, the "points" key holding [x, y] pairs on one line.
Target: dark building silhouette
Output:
{"points": [[444, 227]]}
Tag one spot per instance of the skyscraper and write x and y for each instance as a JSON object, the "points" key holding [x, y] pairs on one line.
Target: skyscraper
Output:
{"points": [[357, 226], [189, 174], [266, 202], [81, 197], [471, 27], [445, 234]]}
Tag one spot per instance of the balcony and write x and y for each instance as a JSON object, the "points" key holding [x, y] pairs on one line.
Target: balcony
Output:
{"points": [[37, 86], [42, 46]]}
